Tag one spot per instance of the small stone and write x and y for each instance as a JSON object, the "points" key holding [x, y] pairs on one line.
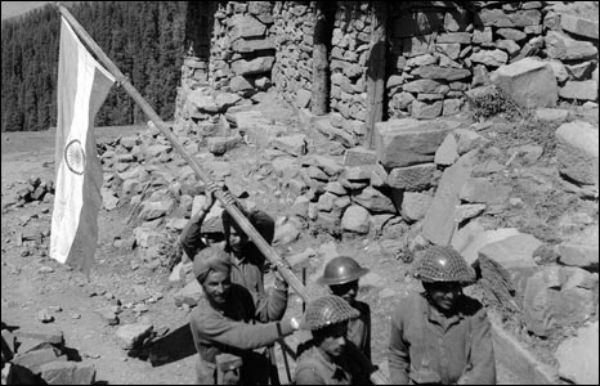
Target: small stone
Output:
{"points": [[46, 269], [44, 316], [356, 219], [131, 335]]}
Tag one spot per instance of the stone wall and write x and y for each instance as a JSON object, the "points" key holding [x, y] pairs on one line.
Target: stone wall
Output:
{"points": [[436, 51]]}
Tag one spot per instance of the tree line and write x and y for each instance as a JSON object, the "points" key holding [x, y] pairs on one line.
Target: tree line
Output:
{"points": [[145, 39]]}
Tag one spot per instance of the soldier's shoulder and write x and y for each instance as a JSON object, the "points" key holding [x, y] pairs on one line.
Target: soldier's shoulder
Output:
{"points": [[408, 304], [472, 307]]}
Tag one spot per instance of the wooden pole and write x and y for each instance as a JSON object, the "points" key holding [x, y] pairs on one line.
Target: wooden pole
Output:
{"points": [[225, 197], [376, 70], [321, 41]]}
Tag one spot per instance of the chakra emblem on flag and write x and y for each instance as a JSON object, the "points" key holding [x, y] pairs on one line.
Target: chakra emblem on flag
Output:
{"points": [[75, 157]]}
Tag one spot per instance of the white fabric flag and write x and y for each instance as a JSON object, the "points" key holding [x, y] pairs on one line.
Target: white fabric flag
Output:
{"points": [[83, 85]]}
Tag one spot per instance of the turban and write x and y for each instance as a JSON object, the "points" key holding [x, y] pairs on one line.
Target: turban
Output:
{"points": [[211, 259]]}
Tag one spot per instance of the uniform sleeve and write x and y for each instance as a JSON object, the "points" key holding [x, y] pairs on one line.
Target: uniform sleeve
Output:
{"points": [[190, 239], [482, 368], [241, 335], [308, 376], [398, 355]]}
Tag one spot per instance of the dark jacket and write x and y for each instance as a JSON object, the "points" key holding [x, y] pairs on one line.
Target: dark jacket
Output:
{"points": [[231, 330], [457, 348], [359, 329]]}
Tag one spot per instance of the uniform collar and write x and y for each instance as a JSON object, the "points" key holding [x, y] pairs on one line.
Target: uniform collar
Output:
{"points": [[436, 316]]}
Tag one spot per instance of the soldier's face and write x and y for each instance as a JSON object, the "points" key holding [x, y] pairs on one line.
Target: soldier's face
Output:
{"points": [[216, 287], [346, 291], [237, 239], [335, 340], [443, 295]]}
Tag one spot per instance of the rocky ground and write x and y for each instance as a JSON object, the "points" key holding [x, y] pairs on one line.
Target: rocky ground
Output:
{"points": [[132, 298]]}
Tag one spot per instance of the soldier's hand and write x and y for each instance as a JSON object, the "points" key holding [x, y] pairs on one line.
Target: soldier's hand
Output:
{"points": [[211, 188], [280, 282]]}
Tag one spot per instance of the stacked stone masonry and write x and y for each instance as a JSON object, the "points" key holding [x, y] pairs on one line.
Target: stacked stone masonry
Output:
{"points": [[436, 52]]}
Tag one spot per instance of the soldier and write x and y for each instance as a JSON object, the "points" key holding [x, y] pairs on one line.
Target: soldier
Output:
{"points": [[328, 358], [223, 324], [247, 262], [441, 335], [341, 274]]}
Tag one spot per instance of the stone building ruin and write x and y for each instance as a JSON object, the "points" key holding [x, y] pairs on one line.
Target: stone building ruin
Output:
{"points": [[421, 57]]}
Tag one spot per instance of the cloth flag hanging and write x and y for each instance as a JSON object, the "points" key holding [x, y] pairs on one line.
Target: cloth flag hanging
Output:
{"points": [[83, 85]]}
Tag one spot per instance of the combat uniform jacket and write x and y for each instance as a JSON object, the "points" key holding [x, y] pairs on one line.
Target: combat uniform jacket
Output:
{"points": [[458, 348], [230, 330], [359, 329], [351, 368]]}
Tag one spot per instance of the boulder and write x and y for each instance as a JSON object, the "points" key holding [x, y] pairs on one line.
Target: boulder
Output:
{"points": [[548, 304], [68, 373], [451, 107], [480, 190], [583, 90], [447, 153], [146, 237], [220, 145], [374, 201], [412, 178], [467, 140], [405, 142], [286, 233], [551, 115], [513, 252], [579, 26], [471, 250], [359, 156], [190, 294], [251, 45], [245, 26], [577, 151], [559, 70], [415, 205], [491, 58], [439, 223], [423, 110], [561, 46], [511, 34], [499, 18], [34, 360], [303, 97], [581, 250], [131, 335], [240, 84], [356, 219], [530, 82], [292, 144], [467, 211], [152, 210], [577, 356]]}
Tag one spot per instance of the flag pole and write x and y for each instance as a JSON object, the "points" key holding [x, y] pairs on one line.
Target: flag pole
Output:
{"points": [[223, 196]]}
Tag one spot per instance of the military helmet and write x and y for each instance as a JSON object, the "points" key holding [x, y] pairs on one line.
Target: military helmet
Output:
{"points": [[326, 311], [445, 264], [341, 270]]}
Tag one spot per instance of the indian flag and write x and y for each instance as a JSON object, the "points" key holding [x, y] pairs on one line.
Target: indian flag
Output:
{"points": [[83, 85]]}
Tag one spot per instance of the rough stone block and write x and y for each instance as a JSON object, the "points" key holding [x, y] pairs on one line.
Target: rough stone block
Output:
{"points": [[584, 90], [375, 201], [578, 355], [131, 335], [491, 58], [444, 73], [33, 360], [415, 205], [579, 26], [499, 18], [405, 142], [581, 250], [482, 191], [359, 156], [551, 115], [447, 153], [245, 26], [577, 151], [246, 46], [221, 145], [513, 252], [356, 219], [254, 66], [429, 86], [563, 47], [530, 82], [412, 178], [68, 373], [422, 110], [292, 144], [303, 98]]}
